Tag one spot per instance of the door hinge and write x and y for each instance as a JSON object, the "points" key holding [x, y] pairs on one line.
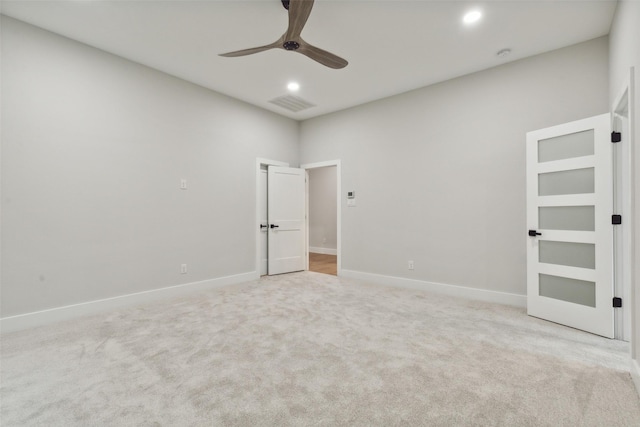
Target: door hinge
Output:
{"points": [[617, 302], [616, 219], [616, 136]]}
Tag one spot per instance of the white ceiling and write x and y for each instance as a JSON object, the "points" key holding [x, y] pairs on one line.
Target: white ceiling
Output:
{"points": [[392, 46]]}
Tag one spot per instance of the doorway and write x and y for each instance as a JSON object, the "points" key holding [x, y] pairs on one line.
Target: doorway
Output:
{"points": [[580, 273], [323, 220], [323, 217], [325, 249], [570, 243]]}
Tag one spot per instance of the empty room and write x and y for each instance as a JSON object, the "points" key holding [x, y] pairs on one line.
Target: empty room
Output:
{"points": [[297, 212]]}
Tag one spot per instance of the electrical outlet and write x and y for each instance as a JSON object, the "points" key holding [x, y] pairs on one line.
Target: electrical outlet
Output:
{"points": [[183, 269], [410, 264]]}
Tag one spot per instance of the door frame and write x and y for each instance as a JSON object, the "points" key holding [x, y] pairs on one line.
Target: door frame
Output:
{"points": [[624, 197], [259, 163], [337, 164]]}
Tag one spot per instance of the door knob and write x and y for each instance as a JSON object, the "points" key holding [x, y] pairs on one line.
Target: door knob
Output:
{"points": [[263, 226], [274, 226], [534, 233]]}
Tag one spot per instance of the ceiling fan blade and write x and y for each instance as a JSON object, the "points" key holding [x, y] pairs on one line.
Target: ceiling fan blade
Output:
{"points": [[252, 50], [322, 56], [299, 11]]}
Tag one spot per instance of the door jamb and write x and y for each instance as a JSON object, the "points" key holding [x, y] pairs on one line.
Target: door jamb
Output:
{"points": [[259, 163], [624, 199], [306, 220], [337, 164]]}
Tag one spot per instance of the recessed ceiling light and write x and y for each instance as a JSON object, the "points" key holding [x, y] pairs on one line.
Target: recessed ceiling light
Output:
{"points": [[472, 17], [293, 86]]}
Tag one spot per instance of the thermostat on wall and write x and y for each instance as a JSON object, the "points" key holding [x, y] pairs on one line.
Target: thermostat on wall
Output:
{"points": [[351, 198]]}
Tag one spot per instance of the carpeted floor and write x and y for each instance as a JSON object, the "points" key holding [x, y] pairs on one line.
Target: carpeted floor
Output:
{"points": [[313, 349]]}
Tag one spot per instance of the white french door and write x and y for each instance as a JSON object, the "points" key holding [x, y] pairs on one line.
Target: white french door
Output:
{"points": [[286, 211], [570, 236]]}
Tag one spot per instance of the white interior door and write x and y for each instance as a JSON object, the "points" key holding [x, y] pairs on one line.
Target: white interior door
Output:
{"points": [[286, 203], [569, 208]]}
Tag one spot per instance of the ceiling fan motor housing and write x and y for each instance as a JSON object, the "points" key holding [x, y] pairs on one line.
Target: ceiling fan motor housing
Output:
{"points": [[291, 45]]}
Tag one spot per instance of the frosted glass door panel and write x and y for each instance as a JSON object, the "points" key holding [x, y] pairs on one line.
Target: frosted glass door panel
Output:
{"points": [[576, 181], [566, 146], [570, 290], [575, 218], [581, 255]]}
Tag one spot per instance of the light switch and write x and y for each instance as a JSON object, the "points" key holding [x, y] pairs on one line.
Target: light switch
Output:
{"points": [[183, 184]]}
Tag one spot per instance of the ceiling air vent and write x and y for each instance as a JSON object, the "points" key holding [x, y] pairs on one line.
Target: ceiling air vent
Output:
{"points": [[292, 103]]}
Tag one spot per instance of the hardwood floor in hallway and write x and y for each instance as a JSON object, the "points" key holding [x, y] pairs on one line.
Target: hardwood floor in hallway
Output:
{"points": [[322, 263]]}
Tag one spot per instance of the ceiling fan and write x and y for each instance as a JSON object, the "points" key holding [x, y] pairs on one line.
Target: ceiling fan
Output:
{"points": [[299, 11]]}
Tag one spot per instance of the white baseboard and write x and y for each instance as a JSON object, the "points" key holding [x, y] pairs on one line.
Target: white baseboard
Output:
{"points": [[440, 288], [326, 251], [635, 374], [69, 312]]}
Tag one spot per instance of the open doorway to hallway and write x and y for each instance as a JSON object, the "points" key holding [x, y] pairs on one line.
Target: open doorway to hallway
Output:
{"points": [[323, 220]]}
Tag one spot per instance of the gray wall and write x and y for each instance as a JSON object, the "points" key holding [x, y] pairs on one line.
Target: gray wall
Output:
{"points": [[323, 228], [93, 150], [94, 147], [625, 53], [439, 172]]}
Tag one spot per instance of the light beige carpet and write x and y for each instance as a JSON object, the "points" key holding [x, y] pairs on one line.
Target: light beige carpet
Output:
{"points": [[312, 349]]}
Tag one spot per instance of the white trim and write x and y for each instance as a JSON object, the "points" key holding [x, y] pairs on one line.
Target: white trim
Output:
{"points": [[268, 162], [307, 249], [324, 251], [577, 273], [70, 312], [338, 164], [259, 162], [567, 164], [324, 164], [624, 200], [568, 236], [635, 374], [440, 288], [566, 200]]}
